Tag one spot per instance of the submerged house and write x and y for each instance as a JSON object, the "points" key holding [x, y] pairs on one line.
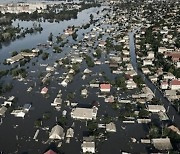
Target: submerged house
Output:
{"points": [[105, 87], [88, 145], [70, 133], [57, 133], [111, 127], [57, 102], [14, 59], [18, 113], [162, 144], [84, 113], [44, 90], [156, 108], [3, 110], [50, 152]]}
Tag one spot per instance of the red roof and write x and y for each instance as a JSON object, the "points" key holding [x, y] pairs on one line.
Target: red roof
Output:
{"points": [[44, 90], [175, 82], [105, 86], [175, 55], [50, 152]]}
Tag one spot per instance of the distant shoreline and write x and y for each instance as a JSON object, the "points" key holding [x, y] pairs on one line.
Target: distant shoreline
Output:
{"points": [[28, 1]]}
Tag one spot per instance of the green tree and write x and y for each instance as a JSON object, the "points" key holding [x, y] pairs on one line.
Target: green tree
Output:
{"points": [[143, 113], [154, 131], [92, 126], [120, 82]]}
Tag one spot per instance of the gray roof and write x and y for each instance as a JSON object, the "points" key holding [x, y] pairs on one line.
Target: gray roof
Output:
{"points": [[88, 139], [162, 143], [15, 58], [111, 127], [70, 132], [3, 109], [88, 144]]}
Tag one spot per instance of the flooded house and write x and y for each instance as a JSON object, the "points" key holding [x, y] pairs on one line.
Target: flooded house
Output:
{"points": [[175, 84], [57, 133], [18, 113], [84, 113], [70, 133], [57, 102], [50, 152], [162, 144], [84, 92], [14, 59], [111, 127], [156, 108], [3, 110], [130, 84], [105, 87], [69, 31], [44, 90], [88, 145], [50, 69]]}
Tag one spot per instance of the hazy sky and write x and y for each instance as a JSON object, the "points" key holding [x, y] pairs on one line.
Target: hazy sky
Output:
{"points": [[8, 1]]}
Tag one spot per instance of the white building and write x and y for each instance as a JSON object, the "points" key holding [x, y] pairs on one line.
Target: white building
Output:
{"points": [[130, 84], [84, 113], [111, 127], [14, 59], [178, 64], [162, 49], [150, 55], [164, 85], [88, 145], [162, 143], [70, 133], [146, 70], [129, 67], [156, 108], [3, 110], [57, 102], [168, 76], [84, 92], [76, 59], [50, 69], [147, 62], [57, 132], [18, 113]]}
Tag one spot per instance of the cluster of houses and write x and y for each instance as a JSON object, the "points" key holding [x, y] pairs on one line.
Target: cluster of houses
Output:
{"points": [[19, 112], [57, 101], [22, 7], [6, 105], [40, 7], [22, 55], [168, 52]]}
